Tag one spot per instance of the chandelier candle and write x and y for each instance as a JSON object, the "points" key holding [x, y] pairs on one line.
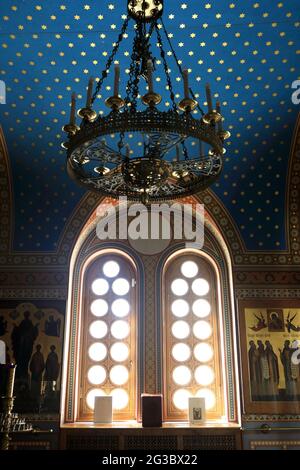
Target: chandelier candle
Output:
{"points": [[117, 80], [73, 110], [186, 84], [89, 93], [218, 109], [208, 98], [150, 76]]}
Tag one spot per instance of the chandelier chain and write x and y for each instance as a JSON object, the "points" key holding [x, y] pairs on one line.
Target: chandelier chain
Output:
{"points": [[166, 68], [178, 64], [110, 59]]}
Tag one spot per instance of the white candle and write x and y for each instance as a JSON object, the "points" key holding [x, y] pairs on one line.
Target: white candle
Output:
{"points": [[89, 93], [2, 352], [218, 109], [150, 76], [117, 80], [10, 380], [208, 97], [186, 84], [73, 109]]}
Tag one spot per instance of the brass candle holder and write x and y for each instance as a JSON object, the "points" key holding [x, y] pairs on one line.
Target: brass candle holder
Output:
{"points": [[9, 421]]}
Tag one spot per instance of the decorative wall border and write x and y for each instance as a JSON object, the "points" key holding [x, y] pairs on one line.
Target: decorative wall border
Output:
{"points": [[253, 293]]}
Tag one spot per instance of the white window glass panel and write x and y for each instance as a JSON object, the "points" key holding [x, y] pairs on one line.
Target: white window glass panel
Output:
{"points": [[111, 269], [201, 308], [181, 399], [97, 352], [200, 287], [203, 352], [96, 375], [120, 286], [210, 397], [120, 329], [120, 398], [119, 375], [204, 375], [181, 352], [100, 287], [119, 352], [120, 308], [189, 269], [98, 329], [202, 330], [180, 329], [182, 375], [179, 287], [99, 307], [180, 308], [90, 397]]}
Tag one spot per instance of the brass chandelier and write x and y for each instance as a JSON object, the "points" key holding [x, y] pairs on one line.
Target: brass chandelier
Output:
{"points": [[164, 163]]}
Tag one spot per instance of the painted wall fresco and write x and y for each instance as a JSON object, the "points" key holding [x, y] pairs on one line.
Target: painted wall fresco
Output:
{"points": [[33, 334], [272, 341]]}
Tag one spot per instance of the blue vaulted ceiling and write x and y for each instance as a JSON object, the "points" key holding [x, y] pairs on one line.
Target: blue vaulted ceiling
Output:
{"points": [[247, 50]]}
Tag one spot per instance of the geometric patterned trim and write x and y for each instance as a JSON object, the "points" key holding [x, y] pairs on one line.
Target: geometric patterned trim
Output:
{"points": [[252, 293], [274, 417], [33, 293], [282, 444]]}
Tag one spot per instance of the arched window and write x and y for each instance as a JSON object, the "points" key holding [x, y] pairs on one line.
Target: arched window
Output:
{"points": [[108, 326], [193, 364]]}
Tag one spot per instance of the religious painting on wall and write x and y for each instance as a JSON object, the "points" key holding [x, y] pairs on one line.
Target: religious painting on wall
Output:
{"points": [[270, 346], [33, 334]]}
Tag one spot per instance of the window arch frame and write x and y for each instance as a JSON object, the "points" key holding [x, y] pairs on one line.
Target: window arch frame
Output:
{"points": [[70, 398], [220, 259]]}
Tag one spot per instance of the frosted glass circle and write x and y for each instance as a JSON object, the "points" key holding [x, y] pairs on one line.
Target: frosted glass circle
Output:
{"points": [[120, 308], [189, 269], [182, 375], [200, 287], [202, 329], [120, 329], [203, 352], [181, 352], [90, 397], [99, 308], [179, 287], [180, 308], [100, 287], [119, 352], [181, 399], [120, 398], [204, 375], [98, 329], [201, 308], [120, 286], [96, 375], [210, 397], [111, 269], [180, 329], [97, 351], [119, 375]]}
